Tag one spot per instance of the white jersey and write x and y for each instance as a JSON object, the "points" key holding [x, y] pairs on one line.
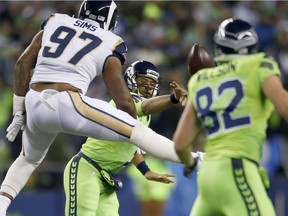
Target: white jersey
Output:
{"points": [[74, 51]]}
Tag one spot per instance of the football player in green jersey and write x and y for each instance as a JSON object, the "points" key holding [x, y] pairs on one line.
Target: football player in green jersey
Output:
{"points": [[89, 180], [232, 102]]}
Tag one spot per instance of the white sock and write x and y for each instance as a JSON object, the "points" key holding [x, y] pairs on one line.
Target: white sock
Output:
{"points": [[4, 204]]}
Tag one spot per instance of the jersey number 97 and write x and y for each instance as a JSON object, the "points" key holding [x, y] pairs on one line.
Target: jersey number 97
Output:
{"points": [[63, 41]]}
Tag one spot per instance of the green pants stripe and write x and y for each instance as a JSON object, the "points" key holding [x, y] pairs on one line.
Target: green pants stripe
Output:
{"points": [[73, 186], [244, 188]]}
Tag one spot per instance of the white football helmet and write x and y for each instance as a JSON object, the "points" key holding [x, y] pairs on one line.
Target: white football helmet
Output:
{"points": [[102, 12]]}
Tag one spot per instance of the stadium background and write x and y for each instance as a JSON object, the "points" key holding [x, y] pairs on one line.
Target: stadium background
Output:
{"points": [[158, 31]]}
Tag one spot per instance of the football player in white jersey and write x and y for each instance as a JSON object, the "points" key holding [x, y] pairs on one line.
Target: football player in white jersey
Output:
{"points": [[63, 59]]}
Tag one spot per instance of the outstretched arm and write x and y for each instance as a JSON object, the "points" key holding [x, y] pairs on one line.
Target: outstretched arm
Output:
{"points": [[139, 162], [159, 103], [187, 130]]}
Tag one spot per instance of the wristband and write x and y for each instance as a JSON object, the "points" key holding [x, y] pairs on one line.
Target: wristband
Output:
{"points": [[18, 103], [173, 99], [188, 170], [143, 167]]}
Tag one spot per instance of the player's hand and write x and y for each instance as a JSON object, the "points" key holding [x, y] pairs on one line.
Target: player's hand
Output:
{"points": [[18, 123], [163, 178], [187, 170], [198, 158], [180, 93]]}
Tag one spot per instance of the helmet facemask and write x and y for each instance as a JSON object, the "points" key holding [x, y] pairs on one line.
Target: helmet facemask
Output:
{"points": [[150, 86], [142, 69]]}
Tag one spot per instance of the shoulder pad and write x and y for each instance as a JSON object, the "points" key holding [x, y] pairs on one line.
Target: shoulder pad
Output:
{"points": [[45, 21], [44, 24], [120, 51]]}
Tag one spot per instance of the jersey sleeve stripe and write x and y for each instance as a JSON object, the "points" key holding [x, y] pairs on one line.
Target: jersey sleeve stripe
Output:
{"points": [[266, 65]]}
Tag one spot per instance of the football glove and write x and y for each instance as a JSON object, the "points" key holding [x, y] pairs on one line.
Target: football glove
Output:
{"points": [[18, 123], [199, 156]]}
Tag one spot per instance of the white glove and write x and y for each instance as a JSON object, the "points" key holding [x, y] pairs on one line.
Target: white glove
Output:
{"points": [[200, 159], [18, 123], [199, 156]]}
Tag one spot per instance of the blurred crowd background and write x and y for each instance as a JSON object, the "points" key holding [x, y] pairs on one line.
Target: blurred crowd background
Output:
{"points": [[158, 31]]}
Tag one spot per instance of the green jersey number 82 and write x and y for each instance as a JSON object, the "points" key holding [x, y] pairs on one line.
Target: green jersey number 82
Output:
{"points": [[212, 119]]}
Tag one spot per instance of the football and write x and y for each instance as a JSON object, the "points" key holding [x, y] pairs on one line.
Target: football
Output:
{"points": [[198, 58]]}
